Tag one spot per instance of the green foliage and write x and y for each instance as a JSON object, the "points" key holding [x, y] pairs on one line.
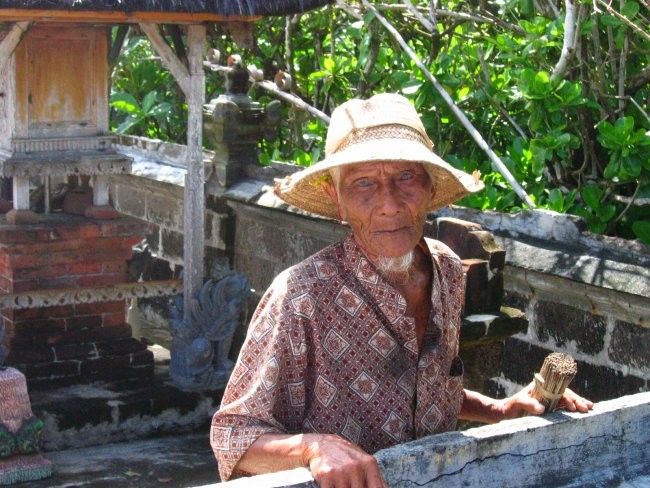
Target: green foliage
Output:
{"points": [[144, 96], [577, 138]]}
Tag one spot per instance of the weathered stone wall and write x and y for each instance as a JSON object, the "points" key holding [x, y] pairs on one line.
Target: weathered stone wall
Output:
{"points": [[606, 447], [585, 295]]}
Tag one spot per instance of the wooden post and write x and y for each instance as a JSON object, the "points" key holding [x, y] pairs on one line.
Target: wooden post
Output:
{"points": [[11, 40], [194, 199]]}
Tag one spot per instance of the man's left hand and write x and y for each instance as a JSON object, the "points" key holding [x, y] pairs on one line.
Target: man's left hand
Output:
{"points": [[523, 403]]}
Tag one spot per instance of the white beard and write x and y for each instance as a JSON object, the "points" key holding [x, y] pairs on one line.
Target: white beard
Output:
{"points": [[396, 268]]}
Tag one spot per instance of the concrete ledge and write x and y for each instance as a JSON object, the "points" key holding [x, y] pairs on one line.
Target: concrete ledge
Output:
{"points": [[606, 447]]}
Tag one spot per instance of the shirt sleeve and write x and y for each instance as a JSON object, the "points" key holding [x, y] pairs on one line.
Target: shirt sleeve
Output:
{"points": [[266, 391]]}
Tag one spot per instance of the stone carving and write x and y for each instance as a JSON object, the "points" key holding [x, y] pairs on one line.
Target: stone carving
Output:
{"points": [[20, 432], [199, 353], [235, 124]]}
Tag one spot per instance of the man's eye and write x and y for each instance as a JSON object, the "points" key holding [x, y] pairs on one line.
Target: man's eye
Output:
{"points": [[363, 182], [406, 175]]}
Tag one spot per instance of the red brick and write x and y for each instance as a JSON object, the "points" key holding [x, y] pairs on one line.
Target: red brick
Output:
{"points": [[58, 283], [39, 326], [120, 347], [104, 367], [101, 280], [113, 319], [60, 311], [52, 370], [32, 355], [86, 231], [74, 351], [99, 308], [109, 333], [83, 322], [85, 268], [114, 267]]}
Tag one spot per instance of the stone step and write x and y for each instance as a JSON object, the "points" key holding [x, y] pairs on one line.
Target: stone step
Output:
{"points": [[164, 462], [107, 412]]}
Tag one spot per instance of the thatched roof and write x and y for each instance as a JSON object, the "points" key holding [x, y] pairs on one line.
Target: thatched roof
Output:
{"points": [[220, 7]]}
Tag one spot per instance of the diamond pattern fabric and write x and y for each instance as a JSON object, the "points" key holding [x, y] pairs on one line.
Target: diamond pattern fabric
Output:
{"points": [[320, 357]]}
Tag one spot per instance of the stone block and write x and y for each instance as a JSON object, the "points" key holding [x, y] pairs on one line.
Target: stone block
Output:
{"points": [[630, 346], [171, 244], [476, 285], [129, 200], [565, 324], [164, 211], [485, 328], [52, 370], [469, 240], [121, 347], [522, 360], [65, 352], [83, 322]]}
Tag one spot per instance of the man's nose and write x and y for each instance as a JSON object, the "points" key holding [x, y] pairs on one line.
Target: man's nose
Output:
{"points": [[388, 199]]}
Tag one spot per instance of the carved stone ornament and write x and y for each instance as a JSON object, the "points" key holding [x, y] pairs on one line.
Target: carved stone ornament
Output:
{"points": [[199, 352]]}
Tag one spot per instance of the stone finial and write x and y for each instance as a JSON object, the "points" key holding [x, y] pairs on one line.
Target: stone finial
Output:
{"points": [[235, 124]]}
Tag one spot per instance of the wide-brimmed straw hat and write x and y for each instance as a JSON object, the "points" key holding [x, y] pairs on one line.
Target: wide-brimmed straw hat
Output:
{"points": [[385, 127]]}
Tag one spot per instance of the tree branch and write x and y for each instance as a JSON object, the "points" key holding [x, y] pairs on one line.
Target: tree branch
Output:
{"points": [[570, 27], [496, 161]]}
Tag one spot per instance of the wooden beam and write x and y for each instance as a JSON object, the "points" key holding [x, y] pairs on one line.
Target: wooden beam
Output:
{"points": [[11, 40], [116, 17], [194, 191], [174, 65]]}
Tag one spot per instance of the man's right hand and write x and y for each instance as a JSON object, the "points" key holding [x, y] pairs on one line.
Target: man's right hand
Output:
{"points": [[338, 463], [334, 462]]}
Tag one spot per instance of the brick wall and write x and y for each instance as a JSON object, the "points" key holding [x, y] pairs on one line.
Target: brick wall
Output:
{"points": [[70, 343]]}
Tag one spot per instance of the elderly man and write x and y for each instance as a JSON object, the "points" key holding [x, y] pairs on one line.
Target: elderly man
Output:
{"points": [[356, 348]]}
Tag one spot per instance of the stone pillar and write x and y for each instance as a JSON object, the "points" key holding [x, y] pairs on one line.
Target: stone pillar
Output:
{"points": [[77, 343], [20, 432]]}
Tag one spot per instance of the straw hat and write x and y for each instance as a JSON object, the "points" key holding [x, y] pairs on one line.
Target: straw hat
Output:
{"points": [[385, 127]]}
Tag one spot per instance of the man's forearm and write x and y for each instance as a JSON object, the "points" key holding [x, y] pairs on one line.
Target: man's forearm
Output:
{"points": [[480, 408], [273, 452]]}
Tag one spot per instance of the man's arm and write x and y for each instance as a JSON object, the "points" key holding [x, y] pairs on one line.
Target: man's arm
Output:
{"points": [[481, 408], [333, 460]]}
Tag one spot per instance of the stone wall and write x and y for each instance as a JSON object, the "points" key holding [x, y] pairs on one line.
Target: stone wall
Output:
{"points": [[583, 294], [605, 447]]}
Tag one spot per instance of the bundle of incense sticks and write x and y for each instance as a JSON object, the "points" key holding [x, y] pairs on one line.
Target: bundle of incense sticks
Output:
{"points": [[557, 372]]}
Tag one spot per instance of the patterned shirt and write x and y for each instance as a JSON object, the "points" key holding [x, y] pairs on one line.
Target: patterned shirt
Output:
{"points": [[330, 350]]}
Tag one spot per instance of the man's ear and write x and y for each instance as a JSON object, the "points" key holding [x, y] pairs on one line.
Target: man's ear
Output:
{"points": [[330, 191]]}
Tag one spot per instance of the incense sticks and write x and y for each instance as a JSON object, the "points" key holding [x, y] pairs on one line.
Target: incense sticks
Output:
{"points": [[557, 372]]}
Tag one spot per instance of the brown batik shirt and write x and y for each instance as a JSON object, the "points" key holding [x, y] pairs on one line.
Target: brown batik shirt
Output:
{"points": [[330, 350]]}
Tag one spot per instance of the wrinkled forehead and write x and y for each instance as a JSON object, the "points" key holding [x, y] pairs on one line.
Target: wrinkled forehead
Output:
{"points": [[376, 168]]}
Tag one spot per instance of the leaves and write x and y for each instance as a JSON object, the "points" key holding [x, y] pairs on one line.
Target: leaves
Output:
{"points": [[574, 143]]}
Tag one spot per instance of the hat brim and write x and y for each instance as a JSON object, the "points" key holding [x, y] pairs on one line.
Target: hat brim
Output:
{"points": [[450, 183]]}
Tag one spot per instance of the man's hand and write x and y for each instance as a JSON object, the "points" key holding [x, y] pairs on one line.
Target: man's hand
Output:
{"points": [[523, 403], [334, 461], [482, 408], [337, 463]]}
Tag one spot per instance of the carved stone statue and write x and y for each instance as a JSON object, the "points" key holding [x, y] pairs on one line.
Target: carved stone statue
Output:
{"points": [[199, 352]]}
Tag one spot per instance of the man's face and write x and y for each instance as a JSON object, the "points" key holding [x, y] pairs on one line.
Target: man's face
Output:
{"points": [[385, 203]]}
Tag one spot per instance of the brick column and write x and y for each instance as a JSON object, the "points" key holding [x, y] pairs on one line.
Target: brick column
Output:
{"points": [[79, 343]]}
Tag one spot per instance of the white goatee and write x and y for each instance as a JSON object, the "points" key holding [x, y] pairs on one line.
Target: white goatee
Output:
{"points": [[396, 268]]}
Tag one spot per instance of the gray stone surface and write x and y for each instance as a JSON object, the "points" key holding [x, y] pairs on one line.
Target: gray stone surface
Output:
{"points": [[563, 324], [606, 447]]}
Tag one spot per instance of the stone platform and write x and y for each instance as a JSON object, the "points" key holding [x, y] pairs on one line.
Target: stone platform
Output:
{"points": [[103, 412]]}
